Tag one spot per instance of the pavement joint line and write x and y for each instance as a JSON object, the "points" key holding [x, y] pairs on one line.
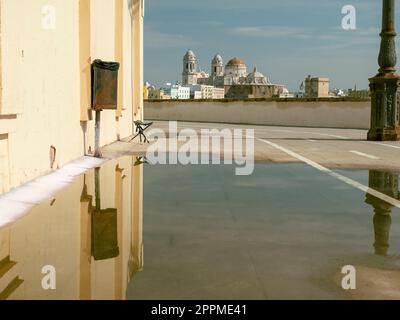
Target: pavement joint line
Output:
{"points": [[366, 155], [336, 175]]}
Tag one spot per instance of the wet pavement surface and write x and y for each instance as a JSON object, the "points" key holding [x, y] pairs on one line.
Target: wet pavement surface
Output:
{"points": [[134, 231], [283, 233]]}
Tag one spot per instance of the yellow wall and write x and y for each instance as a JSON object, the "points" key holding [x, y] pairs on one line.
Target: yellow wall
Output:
{"points": [[45, 80]]}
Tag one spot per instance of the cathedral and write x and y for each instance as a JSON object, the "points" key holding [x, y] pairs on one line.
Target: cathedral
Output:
{"points": [[233, 77]]}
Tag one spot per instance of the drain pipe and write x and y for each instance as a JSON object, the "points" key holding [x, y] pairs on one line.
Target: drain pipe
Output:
{"points": [[97, 152]]}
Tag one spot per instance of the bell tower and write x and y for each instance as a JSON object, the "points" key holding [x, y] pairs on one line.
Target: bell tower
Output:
{"points": [[217, 66], [189, 74]]}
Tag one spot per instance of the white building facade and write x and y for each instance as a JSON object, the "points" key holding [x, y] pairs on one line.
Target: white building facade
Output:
{"points": [[201, 91], [177, 91], [218, 93]]}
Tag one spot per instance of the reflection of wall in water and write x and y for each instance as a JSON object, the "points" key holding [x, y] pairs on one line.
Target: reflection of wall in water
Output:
{"points": [[386, 183], [9, 276], [61, 235]]}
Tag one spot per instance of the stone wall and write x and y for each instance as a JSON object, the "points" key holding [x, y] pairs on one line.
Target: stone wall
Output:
{"points": [[331, 113]]}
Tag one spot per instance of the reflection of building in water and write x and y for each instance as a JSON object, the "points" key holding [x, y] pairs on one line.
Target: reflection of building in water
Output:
{"points": [[136, 253], [91, 234], [386, 183], [9, 275]]}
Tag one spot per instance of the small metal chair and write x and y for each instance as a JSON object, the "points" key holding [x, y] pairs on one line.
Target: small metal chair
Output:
{"points": [[140, 160], [141, 127]]}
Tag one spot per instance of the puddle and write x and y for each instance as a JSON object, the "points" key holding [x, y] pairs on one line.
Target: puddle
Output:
{"points": [[284, 232], [90, 232]]}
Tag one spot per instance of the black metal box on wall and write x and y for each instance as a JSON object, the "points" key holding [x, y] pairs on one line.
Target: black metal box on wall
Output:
{"points": [[104, 85]]}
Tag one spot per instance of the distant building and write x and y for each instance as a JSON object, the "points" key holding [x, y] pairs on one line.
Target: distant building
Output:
{"points": [[218, 93], [202, 91], [206, 92], [286, 94], [145, 92], [316, 87], [157, 94], [197, 95], [233, 78], [338, 93], [176, 91], [359, 94], [299, 94], [254, 91]]}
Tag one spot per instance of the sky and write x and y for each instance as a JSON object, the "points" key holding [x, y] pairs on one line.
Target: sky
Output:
{"points": [[286, 39]]}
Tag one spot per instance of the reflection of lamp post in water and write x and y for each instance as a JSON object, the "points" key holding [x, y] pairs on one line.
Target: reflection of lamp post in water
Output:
{"points": [[386, 183]]}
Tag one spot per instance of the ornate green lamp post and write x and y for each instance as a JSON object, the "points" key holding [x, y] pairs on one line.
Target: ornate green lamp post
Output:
{"points": [[385, 92]]}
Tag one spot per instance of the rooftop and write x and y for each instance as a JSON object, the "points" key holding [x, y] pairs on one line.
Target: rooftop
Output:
{"points": [[235, 61]]}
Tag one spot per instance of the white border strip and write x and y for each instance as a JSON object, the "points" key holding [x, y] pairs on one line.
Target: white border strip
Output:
{"points": [[384, 144], [21, 200]]}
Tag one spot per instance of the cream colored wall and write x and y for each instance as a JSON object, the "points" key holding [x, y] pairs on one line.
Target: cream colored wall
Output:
{"points": [[40, 103], [137, 13], [40, 86], [323, 88], [4, 164], [338, 114]]}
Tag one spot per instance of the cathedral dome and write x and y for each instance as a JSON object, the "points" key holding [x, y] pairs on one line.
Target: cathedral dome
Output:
{"points": [[236, 68], [217, 60], [190, 55], [256, 78], [235, 62]]}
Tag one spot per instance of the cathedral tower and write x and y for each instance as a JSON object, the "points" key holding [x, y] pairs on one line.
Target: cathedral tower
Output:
{"points": [[217, 66], [189, 74]]}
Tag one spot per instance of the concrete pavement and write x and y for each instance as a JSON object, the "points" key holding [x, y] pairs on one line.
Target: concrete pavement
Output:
{"points": [[332, 148]]}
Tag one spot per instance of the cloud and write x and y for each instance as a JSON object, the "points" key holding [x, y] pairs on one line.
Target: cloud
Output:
{"points": [[271, 32], [245, 5], [213, 23], [361, 35], [156, 39]]}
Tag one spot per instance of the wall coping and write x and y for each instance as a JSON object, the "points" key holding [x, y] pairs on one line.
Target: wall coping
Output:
{"points": [[344, 99]]}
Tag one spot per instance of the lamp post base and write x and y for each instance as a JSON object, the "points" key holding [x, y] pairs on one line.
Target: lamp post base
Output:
{"points": [[385, 108], [385, 134]]}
